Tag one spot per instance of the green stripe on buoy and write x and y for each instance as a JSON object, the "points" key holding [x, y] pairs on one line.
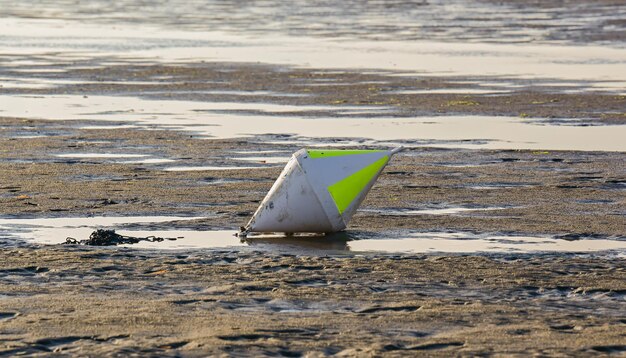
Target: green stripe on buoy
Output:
{"points": [[337, 153], [347, 189]]}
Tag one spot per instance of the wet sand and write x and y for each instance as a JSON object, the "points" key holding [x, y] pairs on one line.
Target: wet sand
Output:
{"points": [[535, 192], [400, 94], [77, 301]]}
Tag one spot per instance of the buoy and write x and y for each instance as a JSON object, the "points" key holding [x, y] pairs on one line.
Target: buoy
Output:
{"points": [[319, 191]]}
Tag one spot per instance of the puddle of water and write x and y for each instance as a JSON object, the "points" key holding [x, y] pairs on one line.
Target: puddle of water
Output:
{"points": [[268, 160], [254, 93], [257, 151], [611, 86], [121, 126], [501, 186], [148, 161], [21, 63], [219, 181], [437, 211], [205, 118], [141, 158], [100, 155], [21, 85], [431, 243], [120, 108], [39, 83], [99, 220], [200, 168], [459, 165], [30, 136], [451, 91], [56, 230], [217, 239], [37, 70]]}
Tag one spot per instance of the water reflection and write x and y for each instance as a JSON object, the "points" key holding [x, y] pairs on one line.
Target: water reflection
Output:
{"points": [[332, 242]]}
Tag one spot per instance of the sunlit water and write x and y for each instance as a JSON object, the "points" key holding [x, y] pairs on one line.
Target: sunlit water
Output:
{"points": [[55, 230], [214, 120], [467, 20], [433, 211], [68, 41]]}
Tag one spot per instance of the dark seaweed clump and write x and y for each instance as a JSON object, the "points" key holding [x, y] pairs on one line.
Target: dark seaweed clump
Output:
{"points": [[102, 237]]}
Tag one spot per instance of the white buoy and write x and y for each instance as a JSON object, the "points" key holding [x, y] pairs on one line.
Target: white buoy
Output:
{"points": [[319, 191]]}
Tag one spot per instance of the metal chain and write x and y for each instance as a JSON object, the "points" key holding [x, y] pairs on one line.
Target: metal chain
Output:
{"points": [[102, 237]]}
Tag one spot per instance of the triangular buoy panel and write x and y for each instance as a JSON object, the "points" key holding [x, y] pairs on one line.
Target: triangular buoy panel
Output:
{"points": [[319, 190]]}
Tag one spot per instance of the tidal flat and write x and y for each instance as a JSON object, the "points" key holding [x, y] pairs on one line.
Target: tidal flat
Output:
{"points": [[76, 300], [292, 298], [500, 230]]}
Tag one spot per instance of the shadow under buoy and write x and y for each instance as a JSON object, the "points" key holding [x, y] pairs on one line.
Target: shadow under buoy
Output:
{"points": [[335, 242]]}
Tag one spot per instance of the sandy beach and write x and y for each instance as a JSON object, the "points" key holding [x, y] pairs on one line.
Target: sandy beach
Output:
{"points": [[499, 231]]}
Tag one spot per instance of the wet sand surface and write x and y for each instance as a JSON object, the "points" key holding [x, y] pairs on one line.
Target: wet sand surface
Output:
{"points": [[111, 301], [394, 94], [553, 192], [154, 117], [73, 300]]}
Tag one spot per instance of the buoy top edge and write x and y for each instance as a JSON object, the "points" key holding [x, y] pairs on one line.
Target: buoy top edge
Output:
{"points": [[338, 152]]}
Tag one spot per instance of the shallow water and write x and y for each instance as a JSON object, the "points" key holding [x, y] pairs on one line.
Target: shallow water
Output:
{"points": [[452, 91], [440, 243], [145, 43], [433, 211], [214, 120], [434, 19], [100, 155], [56, 230], [121, 158], [206, 167], [268, 160]]}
